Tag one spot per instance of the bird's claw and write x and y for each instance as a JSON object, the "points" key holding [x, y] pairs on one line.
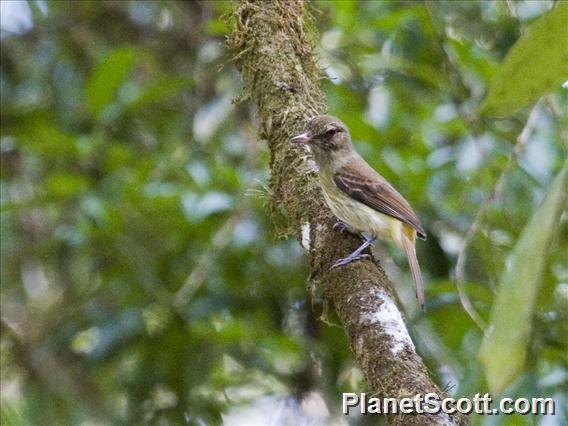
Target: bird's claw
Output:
{"points": [[347, 260], [340, 226]]}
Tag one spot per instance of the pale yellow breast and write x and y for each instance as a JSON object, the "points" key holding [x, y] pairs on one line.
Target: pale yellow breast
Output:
{"points": [[358, 215]]}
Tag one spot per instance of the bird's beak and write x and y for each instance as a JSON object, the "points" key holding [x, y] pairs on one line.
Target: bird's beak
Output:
{"points": [[301, 139]]}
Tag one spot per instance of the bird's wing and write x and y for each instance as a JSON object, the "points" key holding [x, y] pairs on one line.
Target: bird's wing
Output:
{"points": [[365, 185]]}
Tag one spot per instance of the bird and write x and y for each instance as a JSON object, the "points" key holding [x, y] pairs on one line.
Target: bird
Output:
{"points": [[364, 202]]}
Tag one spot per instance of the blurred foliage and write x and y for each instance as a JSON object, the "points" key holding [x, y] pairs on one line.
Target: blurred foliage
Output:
{"points": [[140, 281], [528, 71], [503, 350]]}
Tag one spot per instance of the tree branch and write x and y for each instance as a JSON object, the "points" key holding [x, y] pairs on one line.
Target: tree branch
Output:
{"points": [[275, 57]]}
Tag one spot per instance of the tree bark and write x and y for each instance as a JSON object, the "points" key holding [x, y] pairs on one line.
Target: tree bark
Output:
{"points": [[274, 54]]}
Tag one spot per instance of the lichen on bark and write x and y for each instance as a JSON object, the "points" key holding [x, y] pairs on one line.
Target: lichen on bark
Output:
{"points": [[281, 85], [279, 71]]}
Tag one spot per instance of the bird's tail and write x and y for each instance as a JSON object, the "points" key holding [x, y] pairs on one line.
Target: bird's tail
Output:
{"points": [[410, 250]]}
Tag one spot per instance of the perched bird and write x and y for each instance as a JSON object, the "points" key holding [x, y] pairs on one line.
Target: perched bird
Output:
{"points": [[362, 199]]}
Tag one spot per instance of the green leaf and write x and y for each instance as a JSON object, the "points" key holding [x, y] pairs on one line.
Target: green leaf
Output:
{"points": [[217, 27], [537, 63], [107, 78], [65, 184], [9, 414], [504, 347], [159, 91], [42, 137]]}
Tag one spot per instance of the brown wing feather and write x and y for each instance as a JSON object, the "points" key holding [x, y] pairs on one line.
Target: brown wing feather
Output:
{"points": [[368, 187]]}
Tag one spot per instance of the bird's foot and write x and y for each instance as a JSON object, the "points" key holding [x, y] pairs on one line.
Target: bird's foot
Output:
{"points": [[357, 254], [351, 258], [340, 226]]}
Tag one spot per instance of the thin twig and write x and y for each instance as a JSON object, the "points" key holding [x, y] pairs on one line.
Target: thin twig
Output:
{"points": [[205, 262], [522, 140]]}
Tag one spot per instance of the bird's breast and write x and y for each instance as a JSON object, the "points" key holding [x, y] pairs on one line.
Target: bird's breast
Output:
{"points": [[359, 216]]}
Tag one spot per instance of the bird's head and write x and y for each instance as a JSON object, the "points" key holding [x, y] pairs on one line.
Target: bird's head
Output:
{"points": [[328, 137]]}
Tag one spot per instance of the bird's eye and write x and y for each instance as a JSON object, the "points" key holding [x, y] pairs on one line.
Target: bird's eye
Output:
{"points": [[329, 133]]}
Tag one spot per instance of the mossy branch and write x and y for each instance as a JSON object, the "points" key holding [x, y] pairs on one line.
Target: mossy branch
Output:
{"points": [[280, 74]]}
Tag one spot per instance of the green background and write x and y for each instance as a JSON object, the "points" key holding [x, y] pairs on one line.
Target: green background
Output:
{"points": [[140, 282]]}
